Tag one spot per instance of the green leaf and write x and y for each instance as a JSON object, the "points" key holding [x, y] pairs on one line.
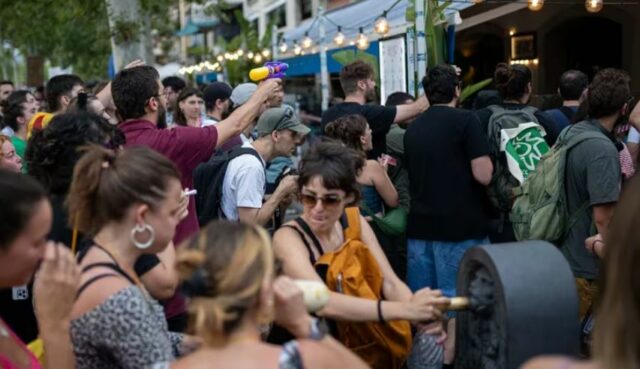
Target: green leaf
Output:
{"points": [[472, 89]]}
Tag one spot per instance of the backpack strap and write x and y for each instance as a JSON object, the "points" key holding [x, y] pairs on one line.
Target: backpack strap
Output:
{"points": [[495, 109], [244, 151], [312, 258], [307, 230], [530, 109], [353, 230]]}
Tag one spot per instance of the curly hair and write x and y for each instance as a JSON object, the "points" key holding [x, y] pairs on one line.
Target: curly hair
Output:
{"points": [[53, 152], [608, 93], [349, 130]]}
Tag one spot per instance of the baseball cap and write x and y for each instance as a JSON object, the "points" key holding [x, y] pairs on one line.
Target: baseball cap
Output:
{"points": [[242, 93], [276, 119], [216, 91]]}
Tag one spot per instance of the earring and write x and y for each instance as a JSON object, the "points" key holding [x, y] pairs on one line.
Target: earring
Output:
{"points": [[142, 229], [265, 318]]}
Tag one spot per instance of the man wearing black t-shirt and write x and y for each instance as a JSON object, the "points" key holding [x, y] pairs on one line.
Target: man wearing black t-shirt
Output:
{"points": [[447, 157], [359, 86]]}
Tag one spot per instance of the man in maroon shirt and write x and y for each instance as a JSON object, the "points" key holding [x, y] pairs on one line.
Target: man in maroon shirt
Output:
{"points": [[137, 94], [141, 106]]}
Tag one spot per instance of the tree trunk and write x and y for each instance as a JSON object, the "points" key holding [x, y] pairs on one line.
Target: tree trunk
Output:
{"points": [[128, 49]]}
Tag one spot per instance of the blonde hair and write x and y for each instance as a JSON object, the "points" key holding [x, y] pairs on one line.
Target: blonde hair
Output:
{"points": [[617, 333], [4, 139], [228, 262]]}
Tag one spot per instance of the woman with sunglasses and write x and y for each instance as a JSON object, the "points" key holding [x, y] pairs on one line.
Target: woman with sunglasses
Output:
{"points": [[327, 182]]}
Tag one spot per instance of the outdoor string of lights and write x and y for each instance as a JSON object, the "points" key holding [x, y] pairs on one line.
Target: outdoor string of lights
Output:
{"points": [[380, 26]]}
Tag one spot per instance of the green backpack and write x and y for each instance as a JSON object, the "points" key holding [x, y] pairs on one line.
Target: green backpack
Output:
{"points": [[540, 210], [500, 189]]}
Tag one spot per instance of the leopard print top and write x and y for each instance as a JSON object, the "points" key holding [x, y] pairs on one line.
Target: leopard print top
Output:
{"points": [[126, 331]]}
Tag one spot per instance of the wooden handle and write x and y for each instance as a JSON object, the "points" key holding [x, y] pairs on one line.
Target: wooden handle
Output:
{"points": [[458, 303]]}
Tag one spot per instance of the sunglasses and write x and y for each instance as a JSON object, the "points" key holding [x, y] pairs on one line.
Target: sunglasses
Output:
{"points": [[329, 201]]}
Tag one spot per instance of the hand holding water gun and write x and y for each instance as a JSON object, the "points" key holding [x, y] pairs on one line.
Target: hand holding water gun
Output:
{"points": [[274, 69]]}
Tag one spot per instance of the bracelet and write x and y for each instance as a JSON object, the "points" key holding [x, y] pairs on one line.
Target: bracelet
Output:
{"points": [[380, 317]]}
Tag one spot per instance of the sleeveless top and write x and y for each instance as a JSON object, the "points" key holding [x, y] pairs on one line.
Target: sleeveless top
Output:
{"points": [[371, 200], [5, 363], [127, 330]]}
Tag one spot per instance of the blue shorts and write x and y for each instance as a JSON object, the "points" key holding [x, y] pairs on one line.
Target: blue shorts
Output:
{"points": [[434, 264]]}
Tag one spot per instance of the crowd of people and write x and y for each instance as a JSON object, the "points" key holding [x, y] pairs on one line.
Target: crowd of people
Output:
{"points": [[147, 223]]}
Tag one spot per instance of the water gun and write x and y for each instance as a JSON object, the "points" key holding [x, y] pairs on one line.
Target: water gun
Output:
{"points": [[274, 69]]}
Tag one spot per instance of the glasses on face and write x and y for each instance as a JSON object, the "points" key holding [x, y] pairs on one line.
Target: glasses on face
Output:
{"points": [[328, 201]]}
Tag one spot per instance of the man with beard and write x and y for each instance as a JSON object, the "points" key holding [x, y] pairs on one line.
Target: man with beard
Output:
{"points": [[216, 100], [359, 86], [593, 177], [137, 94]]}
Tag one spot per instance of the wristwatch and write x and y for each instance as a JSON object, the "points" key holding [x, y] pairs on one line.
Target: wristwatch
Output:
{"points": [[318, 329]]}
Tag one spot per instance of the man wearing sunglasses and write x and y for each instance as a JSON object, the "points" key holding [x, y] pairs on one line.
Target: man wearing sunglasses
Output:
{"points": [[244, 185]]}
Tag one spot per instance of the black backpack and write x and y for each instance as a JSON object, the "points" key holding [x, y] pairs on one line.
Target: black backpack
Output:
{"points": [[208, 179]]}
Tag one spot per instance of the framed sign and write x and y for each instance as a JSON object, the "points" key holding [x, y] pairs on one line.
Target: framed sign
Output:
{"points": [[393, 67], [523, 46]]}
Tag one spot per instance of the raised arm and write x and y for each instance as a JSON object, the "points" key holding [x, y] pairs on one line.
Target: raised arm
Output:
{"points": [[242, 117], [410, 111]]}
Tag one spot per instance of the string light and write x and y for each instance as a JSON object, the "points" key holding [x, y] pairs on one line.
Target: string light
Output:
{"points": [[283, 46], [296, 48], [266, 53], [362, 42], [240, 52], [257, 59], [381, 26], [250, 55], [593, 6], [339, 38], [535, 5], [307, 42], [220, 58]]}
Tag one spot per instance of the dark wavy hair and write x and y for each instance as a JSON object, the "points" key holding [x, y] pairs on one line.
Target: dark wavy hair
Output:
{"points": [[512, 80], [336, 164], [12, 108], [53, 152], [18, 196]]}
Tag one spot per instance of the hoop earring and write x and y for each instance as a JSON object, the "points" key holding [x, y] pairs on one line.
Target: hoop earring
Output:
{"points": [[140, 229]]}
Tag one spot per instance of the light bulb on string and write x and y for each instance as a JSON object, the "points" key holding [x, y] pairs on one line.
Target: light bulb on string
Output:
{"points": [[220, 58], [362, 42], [240, 52], [266, 53], [339, 37], [257, 59], [381, 25], [307, 42], [296, 48], [250, 55], [283, 46], [535, 5], [593, 6]]}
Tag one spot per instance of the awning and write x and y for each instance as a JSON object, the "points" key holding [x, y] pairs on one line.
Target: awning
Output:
{"points": [[192, 28], [360, 14], [305, 65]]}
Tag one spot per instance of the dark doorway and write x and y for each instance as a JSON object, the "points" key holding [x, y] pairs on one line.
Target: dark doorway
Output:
{"points": [[587, 44], [477, 54]]}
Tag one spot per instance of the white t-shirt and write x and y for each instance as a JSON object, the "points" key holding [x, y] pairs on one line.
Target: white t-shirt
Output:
{"points": [[208, 121], [634, 136], [243, 185]]}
